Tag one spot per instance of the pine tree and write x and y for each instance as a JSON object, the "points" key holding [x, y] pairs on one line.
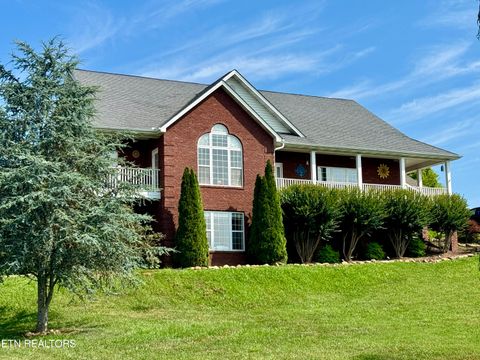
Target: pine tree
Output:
{"points": [[59, 222], [191, 238], [267, 237]]}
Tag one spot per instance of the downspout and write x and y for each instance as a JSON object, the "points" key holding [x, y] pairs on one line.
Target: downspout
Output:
{"points": [[280, 147]]}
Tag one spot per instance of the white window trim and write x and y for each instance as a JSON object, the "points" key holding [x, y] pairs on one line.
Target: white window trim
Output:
{"points": [[320, 178], [154, 153], [210, 214], [229, 150]]}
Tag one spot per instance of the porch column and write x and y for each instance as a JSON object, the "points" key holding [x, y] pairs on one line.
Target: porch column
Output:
{"points": [[359, 171], [403, 174], [419, 178], [448, 177], [313, 166]]}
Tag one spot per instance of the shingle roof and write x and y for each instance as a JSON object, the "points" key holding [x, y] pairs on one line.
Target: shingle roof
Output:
{"points": [[139, 103]]}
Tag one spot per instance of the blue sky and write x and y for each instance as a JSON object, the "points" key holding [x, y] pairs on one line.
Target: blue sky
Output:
{"points": [[414, 63]]}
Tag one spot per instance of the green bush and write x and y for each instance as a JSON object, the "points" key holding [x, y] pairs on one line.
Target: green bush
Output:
{"points": [[407, 214], [311, 215], [362, 213], [450, 213], [374, 251], [327, 254], [191, 238], [416, 248], [267, 244]]}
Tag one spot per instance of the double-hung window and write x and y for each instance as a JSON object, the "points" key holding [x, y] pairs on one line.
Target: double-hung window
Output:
{"points": [[225, 230], [220, 159]]}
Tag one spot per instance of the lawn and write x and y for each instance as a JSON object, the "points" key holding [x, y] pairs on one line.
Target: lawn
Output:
{"points": [[368, 311]]}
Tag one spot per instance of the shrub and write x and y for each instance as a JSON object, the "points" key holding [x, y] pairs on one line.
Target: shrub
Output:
{"points": [[327, 254], [362, 213], [407, 214], [311, 214], [267, 236], [374, 251], [191, 238], [416, 247], [450, 214]]}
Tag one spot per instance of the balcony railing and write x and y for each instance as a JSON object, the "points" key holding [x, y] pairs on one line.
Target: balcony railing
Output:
{"points": [[428, 191], [146, 180]]}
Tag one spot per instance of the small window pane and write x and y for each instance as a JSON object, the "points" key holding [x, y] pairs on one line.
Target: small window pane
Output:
{"points": [[236, 159], [204, 156], [234, 142], [219, 140], [220, 167], [236, 177], [237, 240], [204, 140], [237, 221], [204, 175], [219, 129], [221, 224]]}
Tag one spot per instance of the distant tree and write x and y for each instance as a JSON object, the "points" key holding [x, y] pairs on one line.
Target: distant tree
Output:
{"points": [[450, 214], [267, 237], [191, 239], [429, 178], [59, 222]]}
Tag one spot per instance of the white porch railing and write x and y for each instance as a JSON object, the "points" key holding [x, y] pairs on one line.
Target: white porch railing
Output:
{"points": [[285, 182], [145, 179]]}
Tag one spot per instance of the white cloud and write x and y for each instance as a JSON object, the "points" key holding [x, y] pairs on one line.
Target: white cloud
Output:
{"points": [[436, 64], [429, 105]]}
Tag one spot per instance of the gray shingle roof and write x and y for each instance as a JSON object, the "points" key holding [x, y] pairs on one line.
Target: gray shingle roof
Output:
{"points": [[138, 103]]}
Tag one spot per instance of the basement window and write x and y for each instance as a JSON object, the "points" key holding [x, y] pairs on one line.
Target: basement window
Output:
{"points": [[225, 230]]}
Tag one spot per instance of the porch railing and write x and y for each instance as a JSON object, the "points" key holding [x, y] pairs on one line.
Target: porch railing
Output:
{"points": [[146, 180], [285, 182]]}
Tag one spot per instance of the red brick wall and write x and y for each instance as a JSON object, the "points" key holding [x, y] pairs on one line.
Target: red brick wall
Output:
{"points": [[370, 175], [179, 148]]}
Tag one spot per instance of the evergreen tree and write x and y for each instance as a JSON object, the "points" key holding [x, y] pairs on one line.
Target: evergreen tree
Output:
{"points": [[191, 238], [59, 222], [267, 236]]}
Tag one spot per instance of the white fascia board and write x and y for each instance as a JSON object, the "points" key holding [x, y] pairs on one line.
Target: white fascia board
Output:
{"points": [[239, 100], [262, 99]]}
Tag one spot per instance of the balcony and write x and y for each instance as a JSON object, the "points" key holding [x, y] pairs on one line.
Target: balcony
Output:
{"points": [[428, 191], [146, 180]]}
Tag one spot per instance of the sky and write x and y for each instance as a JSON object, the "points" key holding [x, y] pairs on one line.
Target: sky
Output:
{"points": [[415, 64]]}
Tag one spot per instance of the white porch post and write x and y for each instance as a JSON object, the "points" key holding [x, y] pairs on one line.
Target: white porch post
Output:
{"points": [[313, 166], [359, 171], [419, 178], [448, 177], [403, 174]]}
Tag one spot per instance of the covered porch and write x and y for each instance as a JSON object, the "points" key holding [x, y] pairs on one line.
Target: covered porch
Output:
{"points": [[365, 171]]}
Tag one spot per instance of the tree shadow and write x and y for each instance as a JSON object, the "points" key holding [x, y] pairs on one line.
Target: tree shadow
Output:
{"points": [[16, 325]]}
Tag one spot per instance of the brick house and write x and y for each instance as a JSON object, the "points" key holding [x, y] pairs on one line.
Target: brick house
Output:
{"points": [[228, 130]]}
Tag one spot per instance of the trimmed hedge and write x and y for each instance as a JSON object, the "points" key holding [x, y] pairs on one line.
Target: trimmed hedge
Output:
{"points": [[315, 214]]}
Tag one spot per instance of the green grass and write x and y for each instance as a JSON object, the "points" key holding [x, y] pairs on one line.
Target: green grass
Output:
{"points": [[370, 311]]}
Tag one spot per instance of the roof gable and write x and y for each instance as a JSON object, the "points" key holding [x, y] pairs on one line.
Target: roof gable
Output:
{"points": [[249, 98]]}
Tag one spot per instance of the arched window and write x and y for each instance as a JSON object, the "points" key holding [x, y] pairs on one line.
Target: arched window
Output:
{"points": [[220, 159]]}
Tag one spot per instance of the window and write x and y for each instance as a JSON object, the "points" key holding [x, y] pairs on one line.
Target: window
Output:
{"points": [[337, 174], [220, 159], [225, 230]]}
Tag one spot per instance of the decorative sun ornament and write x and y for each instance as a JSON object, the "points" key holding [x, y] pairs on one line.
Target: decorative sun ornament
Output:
{"points": [[383, 171]]}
